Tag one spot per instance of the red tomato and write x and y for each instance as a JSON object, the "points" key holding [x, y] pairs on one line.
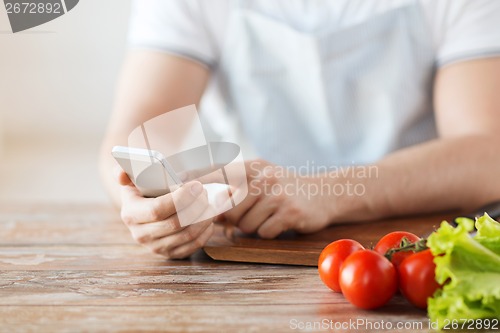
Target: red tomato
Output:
{"points": [[332, 257], [393, 240], [417, 278], [367, 279]]}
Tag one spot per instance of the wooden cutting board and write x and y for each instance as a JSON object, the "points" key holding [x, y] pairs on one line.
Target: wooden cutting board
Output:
{"points": [[295, 249]]}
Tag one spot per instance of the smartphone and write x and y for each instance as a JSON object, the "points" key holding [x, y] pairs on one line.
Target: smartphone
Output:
{"points": [[148, 169]]}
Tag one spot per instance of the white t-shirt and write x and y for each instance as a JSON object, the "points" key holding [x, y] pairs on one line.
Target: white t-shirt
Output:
{"points": [[461, 29], [197, 29]]}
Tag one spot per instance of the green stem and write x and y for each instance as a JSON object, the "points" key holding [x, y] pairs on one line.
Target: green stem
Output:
{"points": [[406, 246]]}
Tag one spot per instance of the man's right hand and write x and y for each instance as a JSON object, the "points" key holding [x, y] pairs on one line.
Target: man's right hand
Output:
{"points": [[154, 223]]}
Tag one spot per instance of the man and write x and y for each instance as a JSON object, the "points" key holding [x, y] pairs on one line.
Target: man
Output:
{"points": [[410, 88]]}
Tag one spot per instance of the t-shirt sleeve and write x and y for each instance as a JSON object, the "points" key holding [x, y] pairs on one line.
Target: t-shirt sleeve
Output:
{"points": [[469, 29], [173, 26]]}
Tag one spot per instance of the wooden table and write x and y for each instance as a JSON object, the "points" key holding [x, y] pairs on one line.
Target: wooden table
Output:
{"points": [[75, 268]]}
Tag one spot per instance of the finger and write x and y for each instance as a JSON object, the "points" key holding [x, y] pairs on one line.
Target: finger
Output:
{"points": [[227, 197], [256, 216], [233, 174], [165, 245], [187, 249], [121, 176], [239, 193], [199, 210], [137, 209], [234, 215], [272, 227], [210, 212], [244, 198], [129, 194], [147, 232]]}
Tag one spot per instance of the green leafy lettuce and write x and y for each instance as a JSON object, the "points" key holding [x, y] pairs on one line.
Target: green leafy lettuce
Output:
{"points": [[468, 267]]}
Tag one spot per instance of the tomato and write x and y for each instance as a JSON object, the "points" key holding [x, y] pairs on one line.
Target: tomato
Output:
{"points": [[332, 257], [393, 240], [417, 278], [367, 279]]}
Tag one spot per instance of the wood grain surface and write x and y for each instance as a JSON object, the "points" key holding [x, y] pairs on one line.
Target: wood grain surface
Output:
{"points": [[75, 268]]}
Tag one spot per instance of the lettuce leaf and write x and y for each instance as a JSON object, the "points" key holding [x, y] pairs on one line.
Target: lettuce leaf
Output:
{"points": [[488, 233], [469, 269]]}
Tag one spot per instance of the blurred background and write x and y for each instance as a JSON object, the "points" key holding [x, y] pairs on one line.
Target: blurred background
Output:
{"points": [[56, 92]]}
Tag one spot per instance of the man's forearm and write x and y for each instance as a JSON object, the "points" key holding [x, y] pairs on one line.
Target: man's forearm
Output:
{"points": [[151, 84], [106, 165], [455, 173]]}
